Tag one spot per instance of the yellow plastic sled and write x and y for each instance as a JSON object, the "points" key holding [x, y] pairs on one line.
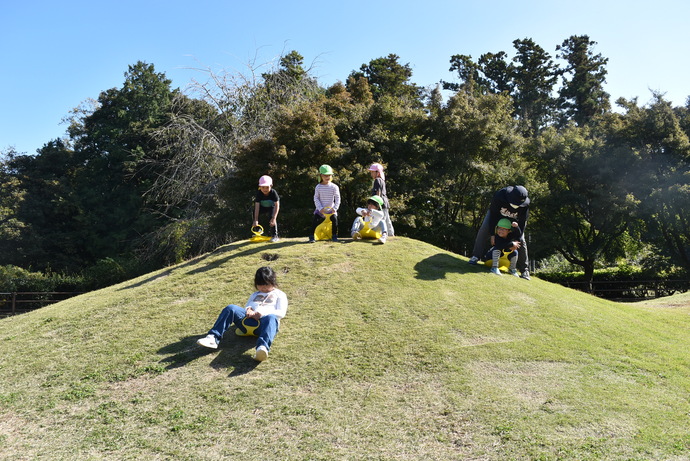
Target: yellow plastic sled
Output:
{"points": [[250, 325], [258, 235], [503, 261], [366, 232], [324, 231]]}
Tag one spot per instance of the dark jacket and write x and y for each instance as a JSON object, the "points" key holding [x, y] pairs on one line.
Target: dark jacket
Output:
{"points": [[501, 206]]}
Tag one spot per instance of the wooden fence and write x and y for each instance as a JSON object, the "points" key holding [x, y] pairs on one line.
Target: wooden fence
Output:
{"points": [[19, 302]]}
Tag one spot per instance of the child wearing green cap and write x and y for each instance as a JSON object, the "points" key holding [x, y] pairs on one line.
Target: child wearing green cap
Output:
{"points": [[506, 238], [373, 214], [326, 200]]}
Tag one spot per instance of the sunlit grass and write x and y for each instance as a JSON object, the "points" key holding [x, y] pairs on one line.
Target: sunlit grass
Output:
{"points": [[396, 351]]}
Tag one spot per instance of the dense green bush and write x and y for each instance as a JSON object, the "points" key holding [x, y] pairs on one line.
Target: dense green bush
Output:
{"points": [[109, 271], [105, 272], [13, 278]]}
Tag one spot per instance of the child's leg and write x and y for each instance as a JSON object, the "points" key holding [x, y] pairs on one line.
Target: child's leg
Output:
{"points": [[229, 315], [389, 223], [381, 227], [495, 256], [356, 226], [334, 221], [267, 331], [265, 215], [513, 258], [315, 221]]}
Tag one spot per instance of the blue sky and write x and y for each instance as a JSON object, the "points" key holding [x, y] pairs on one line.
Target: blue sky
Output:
{"points": [[57, 54]]}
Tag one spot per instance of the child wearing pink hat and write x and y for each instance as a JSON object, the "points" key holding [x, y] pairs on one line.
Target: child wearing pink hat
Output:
{"points": [[379, 188], [267, 202]]}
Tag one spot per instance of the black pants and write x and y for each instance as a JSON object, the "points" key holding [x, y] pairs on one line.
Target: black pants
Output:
{"points": [[265, 215]]}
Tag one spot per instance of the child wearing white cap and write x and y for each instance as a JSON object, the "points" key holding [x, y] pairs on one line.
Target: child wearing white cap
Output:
{"points": [[267, 203]]}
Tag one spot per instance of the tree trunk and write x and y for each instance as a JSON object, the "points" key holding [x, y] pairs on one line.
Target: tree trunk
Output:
{"points": [[588, 267]]}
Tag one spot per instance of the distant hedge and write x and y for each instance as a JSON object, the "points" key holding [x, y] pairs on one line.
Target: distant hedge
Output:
{"points": [[13, 278], [105, 272], [623, 282]]}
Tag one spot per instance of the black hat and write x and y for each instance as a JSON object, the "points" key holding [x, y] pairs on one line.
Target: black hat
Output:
{"points": [[518, 196]]}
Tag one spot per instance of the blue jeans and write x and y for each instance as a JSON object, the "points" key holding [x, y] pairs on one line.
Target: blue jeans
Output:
{"points": [[358, 225], [267, 330]]}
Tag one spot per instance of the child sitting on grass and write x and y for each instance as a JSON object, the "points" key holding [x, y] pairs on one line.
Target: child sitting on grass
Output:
{"points": [[372, 214], [506, 238], [267, 305]]}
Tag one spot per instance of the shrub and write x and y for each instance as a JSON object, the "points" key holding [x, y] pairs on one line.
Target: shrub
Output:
{"points": [[13, 278]]}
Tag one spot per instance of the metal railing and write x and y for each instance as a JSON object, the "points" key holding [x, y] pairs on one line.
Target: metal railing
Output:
{"points": [[19, 302]]}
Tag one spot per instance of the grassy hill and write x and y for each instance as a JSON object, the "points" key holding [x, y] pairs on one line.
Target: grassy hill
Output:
{"points": [[400, 351]]}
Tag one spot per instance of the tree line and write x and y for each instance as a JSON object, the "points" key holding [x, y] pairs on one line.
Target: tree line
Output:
{"points": [[147, 175]]}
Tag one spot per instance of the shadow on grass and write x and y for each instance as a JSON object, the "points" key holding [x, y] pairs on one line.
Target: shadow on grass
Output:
{"points": [[436, 267], [253, 247], [231, 354]]}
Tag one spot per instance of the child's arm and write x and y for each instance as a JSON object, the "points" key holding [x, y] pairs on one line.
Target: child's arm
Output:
{"points": [[249, 312], [336, 199], [317, 199], [516, 232], [376, 217], [276, 209], [376, 189]]}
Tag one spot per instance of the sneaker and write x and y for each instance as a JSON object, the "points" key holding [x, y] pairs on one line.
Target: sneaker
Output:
{"points": [[335, 238], [311, 240], [275, 239], [382, 239], [209, 341], [495, 270], [473, 260], [356, 236], [261, 354], [514, 272], [525, 275]]}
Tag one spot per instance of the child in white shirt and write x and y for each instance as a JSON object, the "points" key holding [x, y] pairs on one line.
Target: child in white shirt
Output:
{"points": [[267, 305], [374, 216]]}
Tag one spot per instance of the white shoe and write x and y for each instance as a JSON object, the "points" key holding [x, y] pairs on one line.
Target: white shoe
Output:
{"points": [[473, 260], [275, 239], [514, 272], [209, 341], [382, 239], [496, 270], [525, 275], [261, 354]]}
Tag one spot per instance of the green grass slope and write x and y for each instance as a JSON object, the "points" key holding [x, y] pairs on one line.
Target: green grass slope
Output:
{"points": [[401, 351]]}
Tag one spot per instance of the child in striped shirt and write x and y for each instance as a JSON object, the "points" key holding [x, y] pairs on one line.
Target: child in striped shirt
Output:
{"points": [[326, 200]]}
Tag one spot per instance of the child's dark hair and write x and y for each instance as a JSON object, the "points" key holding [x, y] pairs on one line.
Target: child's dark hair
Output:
{"points": [[375, 203], [265, 276]]}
